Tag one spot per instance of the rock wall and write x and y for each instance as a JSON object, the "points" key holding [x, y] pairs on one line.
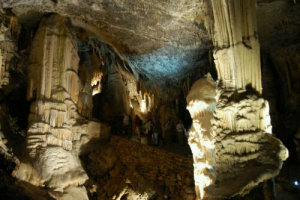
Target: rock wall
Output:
{"points": [[287, 69], [168, 173], [9, 32]]}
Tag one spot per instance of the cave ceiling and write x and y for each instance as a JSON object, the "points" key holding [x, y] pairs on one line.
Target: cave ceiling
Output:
{"points": [[161, 40]]}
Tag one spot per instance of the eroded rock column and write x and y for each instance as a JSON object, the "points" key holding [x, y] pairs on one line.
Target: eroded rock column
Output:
{"points": [[56, 128], [243, 149], [201, 105]]}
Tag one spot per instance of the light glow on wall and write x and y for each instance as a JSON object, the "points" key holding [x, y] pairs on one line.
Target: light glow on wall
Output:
{"points": [[145, 101], [201, 146], [96, 82], [143, 106]]}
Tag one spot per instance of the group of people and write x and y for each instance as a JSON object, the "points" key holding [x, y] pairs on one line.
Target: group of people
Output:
{"points": [[151, 131]]}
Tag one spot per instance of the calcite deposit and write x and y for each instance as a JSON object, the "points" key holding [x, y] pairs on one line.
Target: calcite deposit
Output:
{"points": [[130, 99], [201, 105], [9, 32], [241, 129], [56, 128]]}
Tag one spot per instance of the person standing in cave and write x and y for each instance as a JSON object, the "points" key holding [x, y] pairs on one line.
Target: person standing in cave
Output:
{"points": [[137, 126], [149, 129], [180, 132], [155, 137], [126, 122]]}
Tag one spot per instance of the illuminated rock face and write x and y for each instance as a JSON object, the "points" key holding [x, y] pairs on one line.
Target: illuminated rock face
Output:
{"points": [[8, 32], [237, 55], [238, 137], [56, 129], [201, 104], [241, 130]]}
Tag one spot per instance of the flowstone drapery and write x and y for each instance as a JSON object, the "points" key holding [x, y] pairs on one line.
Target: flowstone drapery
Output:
{"points": [[201, 105], [56, 128], [240, 128]]}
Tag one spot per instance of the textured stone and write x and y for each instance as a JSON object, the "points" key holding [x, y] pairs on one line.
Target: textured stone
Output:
{"points": [[201, 105], [162, 40], [56, 128], [236, 44], [242, 136], [143, 167], [9, 32], [240, 127]]}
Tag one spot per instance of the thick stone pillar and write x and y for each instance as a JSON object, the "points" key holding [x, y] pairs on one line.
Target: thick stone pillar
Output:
{"points": [[56, 128], [236, 55], [242, 150]]}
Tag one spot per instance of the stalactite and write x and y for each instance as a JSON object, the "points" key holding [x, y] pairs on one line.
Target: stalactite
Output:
{"points": [[237, 56]]}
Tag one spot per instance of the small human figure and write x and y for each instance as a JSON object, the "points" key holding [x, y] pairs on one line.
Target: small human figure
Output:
{"points": [[148, 127], [180, 132], [137, 126], [167, 130], [126, 123], [155, 138]]}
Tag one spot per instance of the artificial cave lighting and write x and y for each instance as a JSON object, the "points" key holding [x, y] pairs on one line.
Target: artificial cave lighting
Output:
{"points": [[96, 82], [146, 101], [143, 106]]}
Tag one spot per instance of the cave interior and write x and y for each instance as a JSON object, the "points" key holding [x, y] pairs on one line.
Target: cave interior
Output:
{"points": [[132, 99]]}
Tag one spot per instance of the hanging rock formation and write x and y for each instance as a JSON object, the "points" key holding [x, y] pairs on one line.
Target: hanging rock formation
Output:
{"points": [[237, 48], [56, 129], [240, 134]]}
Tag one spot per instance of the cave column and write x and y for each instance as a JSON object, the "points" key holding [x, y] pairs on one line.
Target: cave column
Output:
{"points": [[237, 51], [56, 128], [243, 149]]}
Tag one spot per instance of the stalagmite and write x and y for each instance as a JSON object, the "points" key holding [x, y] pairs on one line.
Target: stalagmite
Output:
{"points": [[240, 134], [56, 129], [201, 103]]}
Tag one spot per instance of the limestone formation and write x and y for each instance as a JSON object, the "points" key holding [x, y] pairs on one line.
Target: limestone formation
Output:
{"points": [[240, 133], [9, 31], [87, 60], [56, 128], [201, 105], [236, 44]]}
